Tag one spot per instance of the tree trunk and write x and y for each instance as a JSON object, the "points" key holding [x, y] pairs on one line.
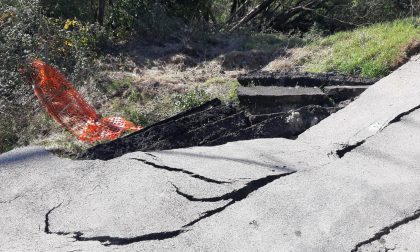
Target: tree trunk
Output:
{"points": [[238, 11], [233, 8], [101, 12], [93, 10]]}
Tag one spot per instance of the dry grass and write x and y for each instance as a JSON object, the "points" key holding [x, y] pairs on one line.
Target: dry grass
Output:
{"points": [[290, 61]]}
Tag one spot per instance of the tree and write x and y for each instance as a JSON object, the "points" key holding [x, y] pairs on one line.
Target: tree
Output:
{"points": [[101, 11]]}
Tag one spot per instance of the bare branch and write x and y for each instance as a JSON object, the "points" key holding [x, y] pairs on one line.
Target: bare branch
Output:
{"points": [[253, 13]]}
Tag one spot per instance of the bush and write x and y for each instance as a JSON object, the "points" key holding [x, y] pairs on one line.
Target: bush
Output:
{"points": [[26, 34], [374, 11], [65, 9], [191, 99]]}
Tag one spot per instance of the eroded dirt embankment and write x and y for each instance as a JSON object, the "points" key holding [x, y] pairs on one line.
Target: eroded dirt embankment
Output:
{"points": [[281, 105], [210, 124]]}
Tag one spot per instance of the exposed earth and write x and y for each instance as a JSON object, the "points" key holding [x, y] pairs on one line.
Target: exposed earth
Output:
{"points": [[349, 183]]}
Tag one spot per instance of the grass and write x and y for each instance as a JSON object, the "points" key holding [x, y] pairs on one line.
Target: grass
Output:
{"points": [[117, 86], [218, 87], [144, 107], [223, 88], [191, 99], [270, 42], [367, 51], [62, 143]]}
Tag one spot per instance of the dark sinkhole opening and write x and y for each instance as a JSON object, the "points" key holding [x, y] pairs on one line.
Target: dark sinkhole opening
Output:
{"points": [[281, 105]]}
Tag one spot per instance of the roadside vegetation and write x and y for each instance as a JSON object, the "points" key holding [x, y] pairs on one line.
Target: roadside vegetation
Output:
{"points": [[371, 51], [147, 60]]}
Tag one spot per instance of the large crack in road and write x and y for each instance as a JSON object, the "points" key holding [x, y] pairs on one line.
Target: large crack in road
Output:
{"points": [[234, 196], [240, 194], [346, 148], [387, 230], [400, 116], [109, 240], [191, 174]]}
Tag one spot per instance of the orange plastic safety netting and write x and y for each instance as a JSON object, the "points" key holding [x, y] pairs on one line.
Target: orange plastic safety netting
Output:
{"points": [[68, 108]]}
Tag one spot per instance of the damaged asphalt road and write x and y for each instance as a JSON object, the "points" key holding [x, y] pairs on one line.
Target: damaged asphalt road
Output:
{"points": [[350, 183]]}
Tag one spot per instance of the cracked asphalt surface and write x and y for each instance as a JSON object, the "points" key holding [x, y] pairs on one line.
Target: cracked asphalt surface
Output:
{"points": [[350, 183]]}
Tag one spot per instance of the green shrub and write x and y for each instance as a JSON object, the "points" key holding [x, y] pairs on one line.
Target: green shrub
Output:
{"points": [[26, 34], [8, 138], [132, 112], [191, 99]]}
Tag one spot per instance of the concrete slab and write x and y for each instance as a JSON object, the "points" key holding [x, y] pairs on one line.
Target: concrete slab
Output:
{"points": [[376, 108], [258, 99]]}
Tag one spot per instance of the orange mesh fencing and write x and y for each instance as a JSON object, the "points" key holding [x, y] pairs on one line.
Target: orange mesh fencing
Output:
{"points": [[68, 108]]}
